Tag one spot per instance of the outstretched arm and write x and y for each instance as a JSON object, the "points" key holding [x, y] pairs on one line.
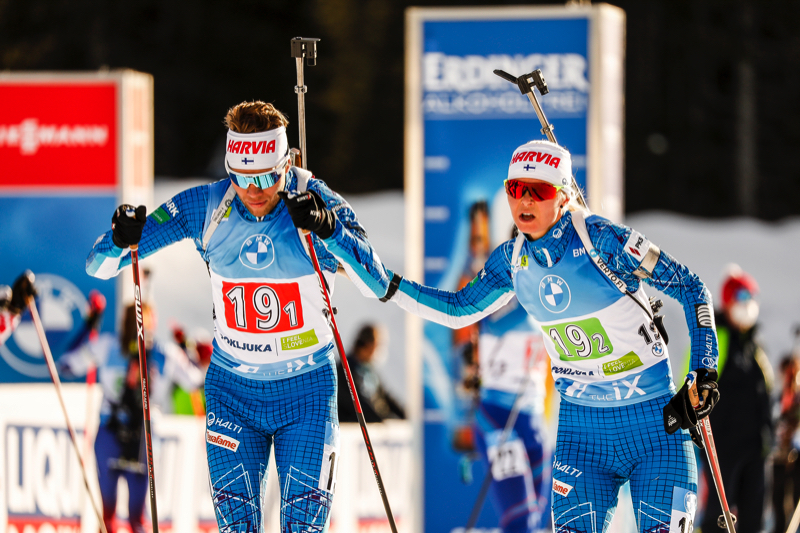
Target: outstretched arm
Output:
{"points": [[179, 218], [491, 289]]}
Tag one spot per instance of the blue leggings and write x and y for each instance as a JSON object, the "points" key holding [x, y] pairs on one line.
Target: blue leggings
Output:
{"points": [[599, 449], [518, 495], [245, 417], [107, 451]]}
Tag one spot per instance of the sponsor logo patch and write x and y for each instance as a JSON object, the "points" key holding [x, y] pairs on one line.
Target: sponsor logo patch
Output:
{"points": [[627, 362], [561, 488], [554, 294], [160, 215], [658, 349], [257, 252], [301, 340], [636, 246], [217, 439]]}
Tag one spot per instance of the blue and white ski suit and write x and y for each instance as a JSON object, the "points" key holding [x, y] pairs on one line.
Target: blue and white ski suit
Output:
{"points": [[608, 362], [272, 378]]}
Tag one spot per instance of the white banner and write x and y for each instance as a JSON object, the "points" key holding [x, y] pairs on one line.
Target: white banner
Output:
{"points": [[42, 490]]}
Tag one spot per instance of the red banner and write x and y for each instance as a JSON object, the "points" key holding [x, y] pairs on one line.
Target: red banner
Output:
{"points": [[58, 134]]}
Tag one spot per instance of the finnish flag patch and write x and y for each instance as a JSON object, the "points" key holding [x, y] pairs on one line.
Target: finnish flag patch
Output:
{"points": [[705, 315]]}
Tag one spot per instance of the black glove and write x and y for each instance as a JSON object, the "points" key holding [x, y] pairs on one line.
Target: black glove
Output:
{"points": [[21, 291], [127, 224], [308, 212], [679, 413]]}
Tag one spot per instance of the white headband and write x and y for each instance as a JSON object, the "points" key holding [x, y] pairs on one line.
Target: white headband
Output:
{"points": [[256, 151], [541, 160]]}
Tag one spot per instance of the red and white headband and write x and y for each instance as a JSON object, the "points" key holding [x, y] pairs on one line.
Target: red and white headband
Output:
{"points": [[256, 151]]}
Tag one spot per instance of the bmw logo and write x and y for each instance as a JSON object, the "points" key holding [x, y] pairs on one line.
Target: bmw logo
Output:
{"points": [[257, 252], [554, 294], [658, 349]]}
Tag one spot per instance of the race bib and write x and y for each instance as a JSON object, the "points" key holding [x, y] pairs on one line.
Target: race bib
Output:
{"points": [[508, 460]]}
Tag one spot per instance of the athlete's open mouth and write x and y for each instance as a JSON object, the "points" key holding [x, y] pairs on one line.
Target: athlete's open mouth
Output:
{"points": [[526, 217]]}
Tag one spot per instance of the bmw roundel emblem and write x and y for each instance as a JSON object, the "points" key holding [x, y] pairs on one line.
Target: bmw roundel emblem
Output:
{"points": [[554, 294], [257, 252], [658, 349]]}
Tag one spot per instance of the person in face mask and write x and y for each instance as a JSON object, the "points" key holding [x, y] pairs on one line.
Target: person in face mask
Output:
{"points": [[742, 423]]}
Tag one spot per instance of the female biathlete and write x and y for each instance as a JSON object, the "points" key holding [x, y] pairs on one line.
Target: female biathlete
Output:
{"points": [[580, 277]]}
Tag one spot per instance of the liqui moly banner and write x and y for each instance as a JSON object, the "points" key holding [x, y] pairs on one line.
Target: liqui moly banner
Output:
{"points": [[463, 124], [72, 147]]}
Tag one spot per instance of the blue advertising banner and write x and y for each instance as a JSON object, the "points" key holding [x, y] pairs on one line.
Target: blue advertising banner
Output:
{"points": [[470, 121], [51, 236]]}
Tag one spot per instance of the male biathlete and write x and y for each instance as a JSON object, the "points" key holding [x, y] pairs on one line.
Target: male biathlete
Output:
{"points": [[272, 378], [609, 359]]}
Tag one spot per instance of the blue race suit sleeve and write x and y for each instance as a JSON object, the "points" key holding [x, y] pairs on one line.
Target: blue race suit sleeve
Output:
{"points": [[668, 276], [491, 289], [180, 217], [350, 246]]}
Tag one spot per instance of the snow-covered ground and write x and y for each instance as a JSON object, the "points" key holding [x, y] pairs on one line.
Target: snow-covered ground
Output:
{"points": [[769, 251]]}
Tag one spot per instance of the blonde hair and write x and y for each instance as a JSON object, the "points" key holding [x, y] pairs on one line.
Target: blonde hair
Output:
{"points": [[571, 192]]}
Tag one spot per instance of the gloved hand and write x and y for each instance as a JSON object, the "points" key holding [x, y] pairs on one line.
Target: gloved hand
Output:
{"points": [[127, 224], [679, 412], [308, 212], [22, 290]]}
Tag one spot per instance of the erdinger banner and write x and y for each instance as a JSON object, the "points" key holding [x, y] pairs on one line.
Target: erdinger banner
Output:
{"points": [[463, 124], [72, 147]]}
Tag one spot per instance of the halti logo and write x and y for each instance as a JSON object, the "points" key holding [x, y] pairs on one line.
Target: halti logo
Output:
{"points": [[561, 488]]}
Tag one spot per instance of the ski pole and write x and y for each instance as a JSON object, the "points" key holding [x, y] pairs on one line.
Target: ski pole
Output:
{"points": [[137, 297], [512, 419], [726, 519], [794, 523], [307, 48], [526, 84], [51, 366]]}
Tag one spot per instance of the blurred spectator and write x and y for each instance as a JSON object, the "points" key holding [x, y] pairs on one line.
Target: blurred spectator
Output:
{"points": [[199, 348], [13, 302], [741, 420], [119, 447], [785, 470], [376, 402]]}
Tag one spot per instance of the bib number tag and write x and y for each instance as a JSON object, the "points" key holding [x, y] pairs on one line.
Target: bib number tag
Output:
{"points": [[508, 460], [584, 339], [261, 307]]}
